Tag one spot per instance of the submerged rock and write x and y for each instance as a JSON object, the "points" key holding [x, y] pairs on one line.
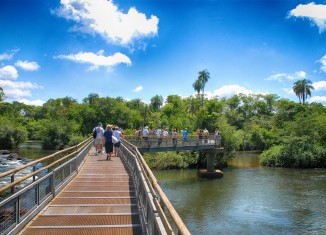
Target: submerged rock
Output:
{"points": [[4, 152]]}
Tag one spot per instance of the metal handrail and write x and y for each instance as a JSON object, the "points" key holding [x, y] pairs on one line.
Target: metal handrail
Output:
{"points": [[84, 143], [192, 140], [17, 209], [182, 229]]}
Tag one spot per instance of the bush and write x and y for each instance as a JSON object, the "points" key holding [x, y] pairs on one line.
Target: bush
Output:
{"points": [[11, 135], [171, 160], [75, 139], [55, 135], [297, 153], [271, 156]]}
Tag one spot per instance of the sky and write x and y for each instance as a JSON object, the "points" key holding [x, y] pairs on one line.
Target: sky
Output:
{"points": [[137, 49]]}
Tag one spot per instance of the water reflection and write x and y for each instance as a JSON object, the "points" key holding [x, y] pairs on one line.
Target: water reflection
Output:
{"points": [[249, 199]]}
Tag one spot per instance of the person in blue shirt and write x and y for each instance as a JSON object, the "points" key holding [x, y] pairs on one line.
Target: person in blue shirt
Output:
{"points": [[108, 142], [185, 135]]}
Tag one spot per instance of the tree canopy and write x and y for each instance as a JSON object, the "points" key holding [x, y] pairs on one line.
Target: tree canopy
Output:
{"points": [[302, 89], [245, 122]]}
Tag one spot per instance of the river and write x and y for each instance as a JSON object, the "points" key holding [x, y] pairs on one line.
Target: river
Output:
{"points": [[249, 199], [27, 152]]}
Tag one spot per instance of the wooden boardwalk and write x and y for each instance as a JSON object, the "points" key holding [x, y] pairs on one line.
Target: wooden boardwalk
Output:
{"points": [[99, 200]]}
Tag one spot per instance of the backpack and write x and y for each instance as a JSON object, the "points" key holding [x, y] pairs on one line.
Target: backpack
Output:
{"points": [[94, 133]]}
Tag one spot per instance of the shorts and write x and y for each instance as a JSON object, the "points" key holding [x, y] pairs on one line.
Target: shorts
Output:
{"points": [[108, 147], [98, 141], [117, 145]]}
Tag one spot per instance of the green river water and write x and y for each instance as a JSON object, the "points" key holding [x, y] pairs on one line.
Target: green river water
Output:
{"points": [[249, 199]]}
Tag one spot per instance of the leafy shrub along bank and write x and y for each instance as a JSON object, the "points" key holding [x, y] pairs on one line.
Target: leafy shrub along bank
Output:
{"points": [[179, 160]]}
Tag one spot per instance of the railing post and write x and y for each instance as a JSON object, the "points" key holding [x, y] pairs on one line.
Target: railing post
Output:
{"points": [[38, 194], [17, 210], [53, 183], [34, 168], [12, 190]]}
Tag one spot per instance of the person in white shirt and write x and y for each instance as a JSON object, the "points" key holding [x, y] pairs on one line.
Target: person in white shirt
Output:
{"points": [[159, 136], [117, 134], [98, 140], [145, 134], [166, 135]]}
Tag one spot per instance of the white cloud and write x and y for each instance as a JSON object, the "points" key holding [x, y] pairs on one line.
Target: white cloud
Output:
{"points": [[314, 12], [31, 102], [104, 18], [288, 91], [16, 91], [285, 76], [318, 99], [8, 72], [97, 60], [321, 85], [6, 56], [300, 74], [323, 63], [228, 91], [27, 65], [138, 89]]}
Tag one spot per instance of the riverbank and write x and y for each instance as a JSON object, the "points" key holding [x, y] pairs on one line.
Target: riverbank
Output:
{"points": [[179, 160]]}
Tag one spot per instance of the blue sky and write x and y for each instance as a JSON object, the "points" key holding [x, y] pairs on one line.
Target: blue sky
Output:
{"points": [[139, 49]]}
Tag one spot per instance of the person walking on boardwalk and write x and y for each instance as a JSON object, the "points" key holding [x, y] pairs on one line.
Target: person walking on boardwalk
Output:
{"points": [[145, 135], [117, 133], [185, 136], [108, 142], [159, 136], [166, 136], [206, 134], [216, 136], [174, 137], [99, 140]]}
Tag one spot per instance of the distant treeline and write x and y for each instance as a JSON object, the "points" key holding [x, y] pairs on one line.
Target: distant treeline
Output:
{"points": [[290, 134]]}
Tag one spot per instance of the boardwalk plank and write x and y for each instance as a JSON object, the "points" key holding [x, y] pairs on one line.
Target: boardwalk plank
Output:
{"points": [[100, 200]]}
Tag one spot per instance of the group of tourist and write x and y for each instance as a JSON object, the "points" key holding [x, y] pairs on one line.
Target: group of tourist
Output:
{"points": [[163, 134], [107, 137], [112, 135]]}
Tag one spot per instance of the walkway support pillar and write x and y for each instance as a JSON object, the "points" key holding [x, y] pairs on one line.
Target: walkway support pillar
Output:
{"points": [[210, 161], [210, 172]]}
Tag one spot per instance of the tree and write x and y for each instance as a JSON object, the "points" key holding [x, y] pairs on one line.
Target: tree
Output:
{"points": [[197, 86], [156, 102], [2, 94], [91, 99], [204, 76], [302, 89]]}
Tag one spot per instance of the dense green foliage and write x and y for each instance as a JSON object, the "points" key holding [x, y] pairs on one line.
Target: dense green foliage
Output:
{"points": [[177, 160], [290, 134], [171, 160]]}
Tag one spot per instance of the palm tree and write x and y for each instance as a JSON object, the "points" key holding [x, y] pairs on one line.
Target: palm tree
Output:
{"points": [[203, 77], [197, 86], [302, 89]]}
